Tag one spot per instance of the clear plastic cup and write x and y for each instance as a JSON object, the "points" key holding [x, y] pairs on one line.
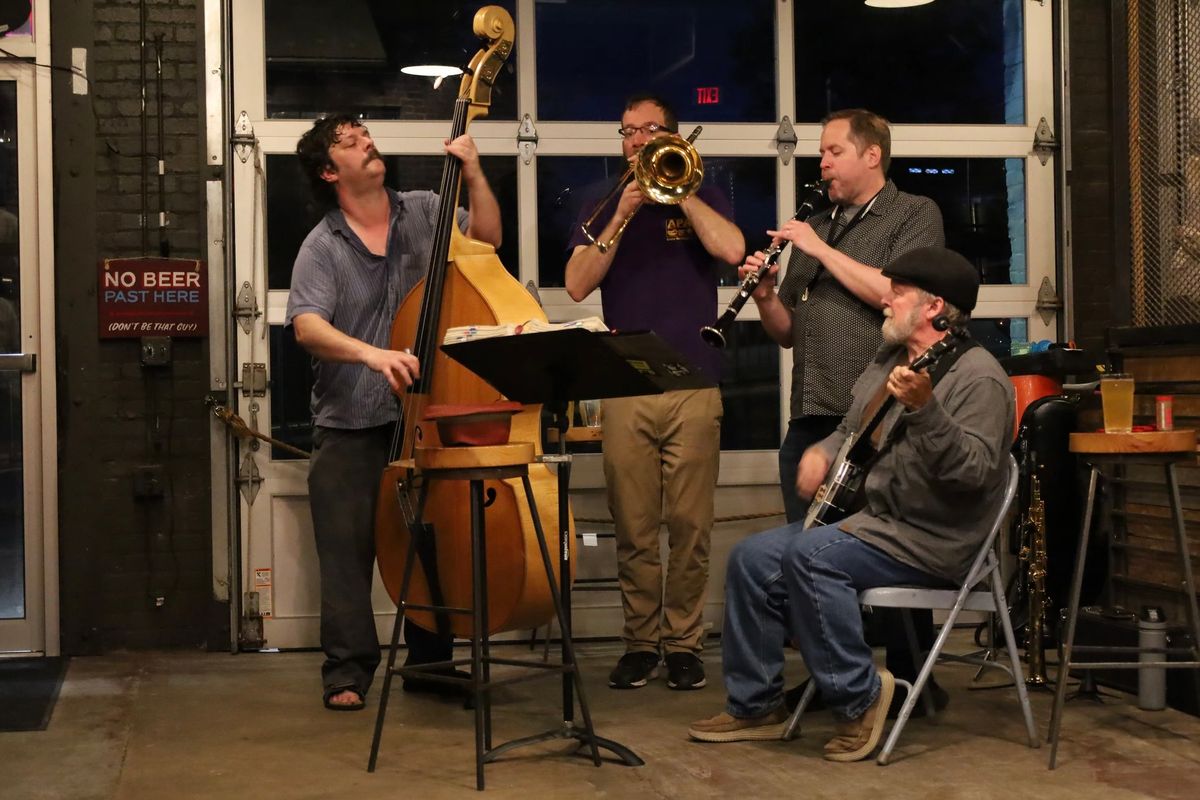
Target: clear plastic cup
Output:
{"points": [[1116, 396], [589, 413]]}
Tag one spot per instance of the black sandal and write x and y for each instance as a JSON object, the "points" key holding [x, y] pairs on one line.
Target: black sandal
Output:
{"points": [[359, 706]]}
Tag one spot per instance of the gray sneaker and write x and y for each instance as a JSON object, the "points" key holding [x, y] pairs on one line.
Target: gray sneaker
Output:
{"points": [[633, 670]]}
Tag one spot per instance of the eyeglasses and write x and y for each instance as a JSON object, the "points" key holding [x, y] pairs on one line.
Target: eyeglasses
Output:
{"points": [[650, 128]]}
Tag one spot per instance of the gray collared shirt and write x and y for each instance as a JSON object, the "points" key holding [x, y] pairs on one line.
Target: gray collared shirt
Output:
{"points": [[337, 278], [834, 334]]}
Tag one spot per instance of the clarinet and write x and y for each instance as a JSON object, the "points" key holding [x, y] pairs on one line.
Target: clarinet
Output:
{"points": [[715, 334]]}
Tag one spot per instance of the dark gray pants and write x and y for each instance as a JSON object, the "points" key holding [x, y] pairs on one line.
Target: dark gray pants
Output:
{"points": [[343, 483]]}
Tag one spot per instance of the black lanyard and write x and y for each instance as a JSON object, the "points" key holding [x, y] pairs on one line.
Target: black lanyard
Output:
{"points": [[833, 241]]}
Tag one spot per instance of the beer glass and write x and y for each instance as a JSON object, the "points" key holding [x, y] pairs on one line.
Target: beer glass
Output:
{"points": [[1116, 395]]}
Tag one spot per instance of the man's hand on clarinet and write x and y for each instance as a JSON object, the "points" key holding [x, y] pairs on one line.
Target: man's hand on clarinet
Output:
{"points": [[767, 284]]}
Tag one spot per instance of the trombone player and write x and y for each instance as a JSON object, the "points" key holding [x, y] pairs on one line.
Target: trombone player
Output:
{"points": [[656, 259]]}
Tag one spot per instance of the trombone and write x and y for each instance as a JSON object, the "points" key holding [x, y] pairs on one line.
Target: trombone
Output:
{"points": [[668, 170]]}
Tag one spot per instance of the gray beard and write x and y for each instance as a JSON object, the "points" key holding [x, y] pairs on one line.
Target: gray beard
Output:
{"points": [[897, 331]]}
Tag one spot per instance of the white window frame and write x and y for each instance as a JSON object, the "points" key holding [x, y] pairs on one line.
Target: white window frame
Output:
{"points": [[499, 138]]}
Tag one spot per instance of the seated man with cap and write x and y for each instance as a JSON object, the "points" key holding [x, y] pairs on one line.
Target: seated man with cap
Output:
{"points": [[927, 499]]}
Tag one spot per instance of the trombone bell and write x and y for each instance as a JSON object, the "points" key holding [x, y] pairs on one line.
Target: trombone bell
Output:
{"points": [[668, 170]]}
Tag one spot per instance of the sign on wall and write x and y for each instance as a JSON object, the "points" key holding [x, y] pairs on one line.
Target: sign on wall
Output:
{"points": [[152, 297]]}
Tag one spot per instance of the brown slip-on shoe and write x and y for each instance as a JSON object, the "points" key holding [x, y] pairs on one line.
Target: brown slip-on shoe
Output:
{"points": [[856, 739], [728, 728]]}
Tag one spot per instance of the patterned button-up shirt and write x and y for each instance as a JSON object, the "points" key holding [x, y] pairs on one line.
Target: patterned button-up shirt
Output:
{"points": [[834, 334], [358, 292]]}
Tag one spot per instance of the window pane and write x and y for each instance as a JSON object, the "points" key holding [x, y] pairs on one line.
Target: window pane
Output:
{"points": [[291, 213], [983, 208], [347, 56], [982, 201], [1000, 334], [750, 389], [713, 60], [12, 461], [291, 392], [959, 62], [565, 183]]}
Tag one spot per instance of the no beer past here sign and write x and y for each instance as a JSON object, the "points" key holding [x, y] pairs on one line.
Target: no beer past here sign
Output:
{"points": [[152, 297]]}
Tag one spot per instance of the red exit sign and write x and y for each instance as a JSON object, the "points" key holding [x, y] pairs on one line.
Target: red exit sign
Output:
{"points": [[708, 95]]}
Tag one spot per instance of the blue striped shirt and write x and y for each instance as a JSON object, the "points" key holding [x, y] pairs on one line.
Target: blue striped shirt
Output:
{"points": [[337, 278]]}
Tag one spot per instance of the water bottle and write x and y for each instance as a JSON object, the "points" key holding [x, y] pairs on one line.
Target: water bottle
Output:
{"points": [[1152, 681]]}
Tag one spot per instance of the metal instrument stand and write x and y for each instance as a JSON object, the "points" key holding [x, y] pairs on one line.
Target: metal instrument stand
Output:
{"points": [[568, 730], [553, 368]]}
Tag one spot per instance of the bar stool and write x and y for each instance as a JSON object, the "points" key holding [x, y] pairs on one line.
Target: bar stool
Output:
{"points": [[1162, 448], [476, 465]]}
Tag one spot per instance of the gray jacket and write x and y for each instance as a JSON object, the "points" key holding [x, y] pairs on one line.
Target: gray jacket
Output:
{"points": [[936, 485]]}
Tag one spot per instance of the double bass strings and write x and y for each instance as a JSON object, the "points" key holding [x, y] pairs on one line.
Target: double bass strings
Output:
{"points": [[425, 340]]}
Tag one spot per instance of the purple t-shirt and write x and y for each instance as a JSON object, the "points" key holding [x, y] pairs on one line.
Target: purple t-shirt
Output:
{"points": [[661, 279]]}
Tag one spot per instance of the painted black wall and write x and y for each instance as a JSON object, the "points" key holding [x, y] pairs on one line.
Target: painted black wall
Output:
{"points": [[1099, 164], [134, 572]]}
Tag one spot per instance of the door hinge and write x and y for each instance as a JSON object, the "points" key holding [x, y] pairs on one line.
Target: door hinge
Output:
{"points": [[249, 479], [527, 139], [243, 138], [1044, 141], [785, 140], [532, 288], [254, 379], [245, 307], [1048, 302]]}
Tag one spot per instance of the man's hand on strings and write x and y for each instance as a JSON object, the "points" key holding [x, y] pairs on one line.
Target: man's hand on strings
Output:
{"points": [[463, 148], [814, 466], [399, 368], [912, 389]]}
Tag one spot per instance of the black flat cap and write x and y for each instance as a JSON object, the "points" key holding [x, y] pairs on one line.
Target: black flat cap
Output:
{"points": [[938, 271]]}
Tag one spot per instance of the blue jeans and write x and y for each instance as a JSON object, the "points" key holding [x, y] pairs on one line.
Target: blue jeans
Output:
{"points": [[804, 585], [802, 433]]}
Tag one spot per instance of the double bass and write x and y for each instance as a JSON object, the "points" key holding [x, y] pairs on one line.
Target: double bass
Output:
{"points": [[466, 285]]}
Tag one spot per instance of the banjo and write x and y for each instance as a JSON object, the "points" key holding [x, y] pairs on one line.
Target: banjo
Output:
{"points": [[840, 494]]}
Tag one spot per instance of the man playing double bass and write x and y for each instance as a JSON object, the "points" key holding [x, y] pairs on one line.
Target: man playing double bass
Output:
{"points": [[350, 276]]}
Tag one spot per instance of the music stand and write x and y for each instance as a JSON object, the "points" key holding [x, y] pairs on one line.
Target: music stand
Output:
{"points": [[553, 368]]}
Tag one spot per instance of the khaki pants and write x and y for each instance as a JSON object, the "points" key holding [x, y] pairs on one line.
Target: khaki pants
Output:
{"points": [[661, 454]]}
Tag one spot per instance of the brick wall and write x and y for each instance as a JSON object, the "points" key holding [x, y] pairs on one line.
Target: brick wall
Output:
{"points": [[134, 572], [1100, 282]]}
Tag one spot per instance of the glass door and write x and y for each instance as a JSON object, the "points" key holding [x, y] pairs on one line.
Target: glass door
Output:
{"points": [[23, 610]]}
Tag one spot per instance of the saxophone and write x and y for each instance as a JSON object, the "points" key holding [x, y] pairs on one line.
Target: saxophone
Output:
{"points": [[1033, 556]]}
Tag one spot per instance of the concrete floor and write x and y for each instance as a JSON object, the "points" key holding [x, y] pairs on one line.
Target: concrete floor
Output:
{"points": [[200, 725]]}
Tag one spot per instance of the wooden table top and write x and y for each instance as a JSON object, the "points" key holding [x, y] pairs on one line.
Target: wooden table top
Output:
{"points": [[577, 434], [1181, 441]]}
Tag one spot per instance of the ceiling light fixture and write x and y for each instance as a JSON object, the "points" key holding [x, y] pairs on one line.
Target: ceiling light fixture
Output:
{"points": [[897, 3], [438, 72]]}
